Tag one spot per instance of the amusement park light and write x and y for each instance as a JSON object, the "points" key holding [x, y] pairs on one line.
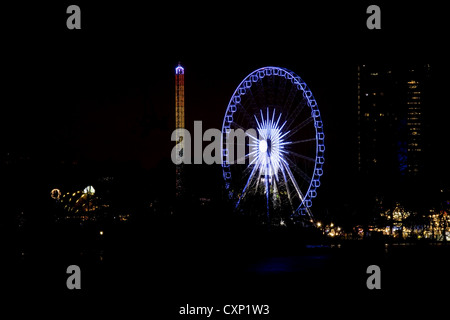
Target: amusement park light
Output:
{"points": [[55, 194], [269, 150], [89, 190]]}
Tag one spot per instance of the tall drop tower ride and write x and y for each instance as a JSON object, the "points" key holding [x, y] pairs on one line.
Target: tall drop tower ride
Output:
{"points": [[179, 124]]}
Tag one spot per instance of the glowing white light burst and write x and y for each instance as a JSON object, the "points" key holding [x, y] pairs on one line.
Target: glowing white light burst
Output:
{"points": [[268, 151], [270, 157], [262, 146]]}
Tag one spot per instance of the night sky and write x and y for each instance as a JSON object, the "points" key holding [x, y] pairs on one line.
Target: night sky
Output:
{"points": [[106, 92]]}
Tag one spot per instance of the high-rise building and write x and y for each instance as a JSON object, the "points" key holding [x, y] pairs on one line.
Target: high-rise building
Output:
{"points": [[390, 111], [415, 98]]}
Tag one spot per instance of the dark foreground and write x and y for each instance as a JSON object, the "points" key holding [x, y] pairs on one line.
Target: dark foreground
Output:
{"points": [[144, 273]]}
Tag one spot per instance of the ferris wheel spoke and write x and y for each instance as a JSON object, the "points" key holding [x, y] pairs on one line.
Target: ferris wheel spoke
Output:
{"points": [[276, 195], [294, 182], [247, 171], [296, 112], [301, 125], [302, 156], [247, 114], [301, 141], [242, 106], [300, 171], [266, 183], [235, 124], [249, 180], [246, 133], [260, 93], [311, 217], [253, 103], [287, 188], [257, 184], [290, 99], [274, 168], [239, 160], [271, 94], [282, 89]]}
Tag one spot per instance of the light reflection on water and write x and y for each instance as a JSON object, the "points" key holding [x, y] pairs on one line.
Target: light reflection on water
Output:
{"points": [[286, 264]]}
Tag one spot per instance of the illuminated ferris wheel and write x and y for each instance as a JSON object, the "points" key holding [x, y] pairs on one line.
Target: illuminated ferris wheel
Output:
{"points": [[284, 146]]}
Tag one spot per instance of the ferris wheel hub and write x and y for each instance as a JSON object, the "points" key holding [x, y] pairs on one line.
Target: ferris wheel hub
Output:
{"points": [[263, 146]]}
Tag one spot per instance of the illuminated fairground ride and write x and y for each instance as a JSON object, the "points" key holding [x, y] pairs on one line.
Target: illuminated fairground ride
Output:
{"points": [[80, 204], [284, 147]]}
